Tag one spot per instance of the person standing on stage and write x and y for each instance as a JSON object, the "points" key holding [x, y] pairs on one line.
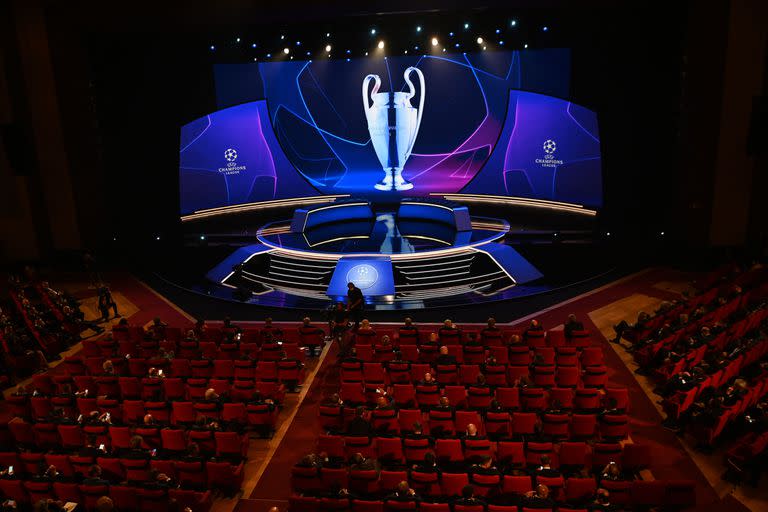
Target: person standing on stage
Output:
{"points": [[355, 303]]}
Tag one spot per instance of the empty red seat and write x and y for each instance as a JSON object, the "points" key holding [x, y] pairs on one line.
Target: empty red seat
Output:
{"points": [[224, 476]]}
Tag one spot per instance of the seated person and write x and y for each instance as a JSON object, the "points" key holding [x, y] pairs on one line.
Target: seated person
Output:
{"points": [[611, 472], [136, 451], [156, 331], [534, 328], [602, 502], [94, 476], [428, 465], [538, 498], [571, 325], [484, 467], [448, 330], [359, 426], [108, 368], [338, 320], [428, 380], [468, 498], [360, 463], [403, 493], [471, 433], [408, 330], [490, 330], [545, 469], [313, 333], [444, 358]]}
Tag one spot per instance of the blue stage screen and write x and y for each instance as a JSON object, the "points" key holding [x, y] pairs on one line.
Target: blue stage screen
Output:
{"points": [[304, 131]]}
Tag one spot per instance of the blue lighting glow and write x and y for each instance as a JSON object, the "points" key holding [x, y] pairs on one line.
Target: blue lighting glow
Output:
{"points": [[349, 51], [416, 47], [298, 43], [213, 47], [269, 55], [450, 34], [466, 26], [418, 29], [456, 45], [253, 45], [373, 31], [498, 31], [545, 28], [513, 23], [501, 43]]}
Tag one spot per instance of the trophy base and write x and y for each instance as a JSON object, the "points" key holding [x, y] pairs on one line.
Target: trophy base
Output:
{"points": [[387, 183], [400, 182]]}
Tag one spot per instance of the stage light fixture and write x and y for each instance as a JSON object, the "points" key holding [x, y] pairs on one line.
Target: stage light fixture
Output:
{"points": [[466, 26], [479, 40], [513, 23], [381, 45], [483, 48], [327, 48], [349, 51], [307, 54], [501, 43], [544, 28], [286, 51], [434, 41], [498, 31], [157, 237], [405, 52], [253, 45], [298, 43], [525, 45], [282, 37], [202, 237], [366, 54], [608, 233], [255, 59], [269, 55], [662, 233], [213, 47], [373, 31], [348, 59], [450, 34], [291, 57], [456, 45], [237, 40], [443, 50], [418, 29], [416, 47]]}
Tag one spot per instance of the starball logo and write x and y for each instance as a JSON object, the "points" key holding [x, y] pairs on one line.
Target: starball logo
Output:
{"points": [[230, 155], [549, 160]]}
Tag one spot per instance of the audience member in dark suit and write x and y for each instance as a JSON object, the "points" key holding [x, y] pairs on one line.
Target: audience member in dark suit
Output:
{"points": [[485, 467], [90, 449], [444, 358], [545, 469], [94, 476], [136, 451], [602, 502], [403, 493], [359, 426], [468, 498], [572, 324], [538, 498]]}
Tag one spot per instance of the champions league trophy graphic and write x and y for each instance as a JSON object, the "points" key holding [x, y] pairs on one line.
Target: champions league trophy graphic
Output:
{"points": [[407, 121]]}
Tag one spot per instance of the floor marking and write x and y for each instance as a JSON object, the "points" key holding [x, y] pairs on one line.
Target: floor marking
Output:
{"points": [[162, 297]]}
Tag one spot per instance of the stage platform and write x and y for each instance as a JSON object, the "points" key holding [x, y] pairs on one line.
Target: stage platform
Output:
{"points": [[401, 260]]}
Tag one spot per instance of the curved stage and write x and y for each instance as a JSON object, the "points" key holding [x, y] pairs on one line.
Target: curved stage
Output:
{"points": [[421, 253]]}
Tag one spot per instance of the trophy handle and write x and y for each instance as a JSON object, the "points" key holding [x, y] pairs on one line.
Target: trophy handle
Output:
{"points": [[376, 86], [411, 94]]}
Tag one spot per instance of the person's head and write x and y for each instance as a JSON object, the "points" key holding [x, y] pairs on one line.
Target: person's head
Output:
{"points": [[402, 487], [683, 318], [443, 350], [447, 323], [210, 394], [108, 367], [381, 401], [157, 321], [491, 322], [105, 504], [433, 337], [430, 459], [351, 286], [534, 324], [417, 427], [542, 491], [148, 419], [306, 320], [359, 412], [153, 372], [467, 492], [358, 458], [480, 379], [613, 470], [444, 402], [603, 496], [268, 321], [515, 339], [136, 442], [471, 429], [428, 377], [571, 318], [705, 331], [94, 471], [486, 461], [408, 321], [545, 460], [274, 509], [193, 449]]}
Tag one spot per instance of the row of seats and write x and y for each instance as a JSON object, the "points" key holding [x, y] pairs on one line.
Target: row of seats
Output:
{"points": [[128, 498], [509, 398], [50, 436], [637, 493], [391, 451]]}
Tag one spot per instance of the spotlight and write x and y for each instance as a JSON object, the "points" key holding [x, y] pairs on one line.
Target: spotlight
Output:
{"points": [[253, 45], [307, 54], [525, 45], [544, 28], [662, 233], [450, 34], [416, 47], [381, 45], [327, 34], [238, 39], [348, 52], [291, 57], [513, 23], [456, 45], [269, 55], [157, 237], [282, 37], [479, 40], [466, 26], [327, 48], [202, 237], [373, 31], [405, 52], [501, 43], [418, 29], [608, 233], [366, 54], [286, 51], [498, 31], [443, 50], [434, 41], [483, 48], [255, 59], [213, 47], [348, 60], [298, 43]]}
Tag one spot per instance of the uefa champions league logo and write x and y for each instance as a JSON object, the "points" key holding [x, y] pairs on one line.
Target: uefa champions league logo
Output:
{"points": [[549, 160], [364, 276], [230, 155]]}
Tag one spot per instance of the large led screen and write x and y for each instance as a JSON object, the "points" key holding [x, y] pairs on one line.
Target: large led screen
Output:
{"points": [[440, 124]]}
